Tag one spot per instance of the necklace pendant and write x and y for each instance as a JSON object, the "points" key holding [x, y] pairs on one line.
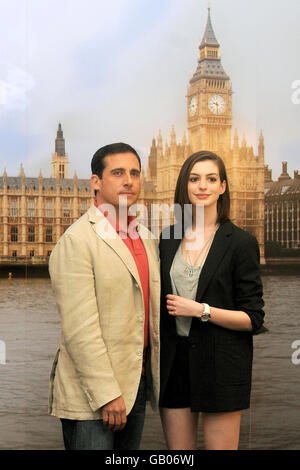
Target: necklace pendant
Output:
{"points": [[189, 271]]}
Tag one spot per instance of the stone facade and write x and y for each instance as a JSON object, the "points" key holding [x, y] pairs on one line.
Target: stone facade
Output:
{"points": [[35, 212], [282, 209], [209, 124]]}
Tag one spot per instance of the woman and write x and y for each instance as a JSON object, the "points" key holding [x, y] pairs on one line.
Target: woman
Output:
{"points": [[211, 306]]}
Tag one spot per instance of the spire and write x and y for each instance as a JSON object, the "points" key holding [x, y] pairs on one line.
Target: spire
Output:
{"points": [[159, 140], [261, 145], [153, 146], [209, 61], [268, 174], [22, 174], [236, 139], [209, 37], [60, 142], [173, 136]]}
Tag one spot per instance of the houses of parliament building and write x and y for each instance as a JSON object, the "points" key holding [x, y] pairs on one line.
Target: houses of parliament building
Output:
{"points": [[35, 211]]}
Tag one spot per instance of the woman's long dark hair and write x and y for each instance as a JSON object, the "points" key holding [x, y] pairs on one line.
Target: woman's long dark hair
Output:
{"points": [[181, 192]]}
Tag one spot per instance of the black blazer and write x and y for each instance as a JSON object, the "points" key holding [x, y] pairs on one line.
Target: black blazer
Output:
{"points": [[220, 359]]}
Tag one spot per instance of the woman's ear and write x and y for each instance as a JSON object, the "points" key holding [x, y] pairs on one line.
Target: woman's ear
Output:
{"points": [[223, 187]]}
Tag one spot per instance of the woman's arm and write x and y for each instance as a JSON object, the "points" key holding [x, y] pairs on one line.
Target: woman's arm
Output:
{"points": [[247, 294], [232, 319]]}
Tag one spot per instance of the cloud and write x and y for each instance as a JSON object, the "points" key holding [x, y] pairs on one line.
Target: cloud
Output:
{"points": [[15, 83], [120, 70]]}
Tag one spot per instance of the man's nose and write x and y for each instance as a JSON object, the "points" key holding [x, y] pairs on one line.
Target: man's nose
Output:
{"points": [[127, 179]]}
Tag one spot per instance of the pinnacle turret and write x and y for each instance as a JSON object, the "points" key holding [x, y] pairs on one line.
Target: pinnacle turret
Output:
{"points": [[209, 37], [60, 142]]}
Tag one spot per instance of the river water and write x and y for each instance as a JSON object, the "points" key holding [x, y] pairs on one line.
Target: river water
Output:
{"points": [[29, 335]]}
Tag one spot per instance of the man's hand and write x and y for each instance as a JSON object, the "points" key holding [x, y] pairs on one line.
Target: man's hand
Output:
{"points": [[114, 414]]}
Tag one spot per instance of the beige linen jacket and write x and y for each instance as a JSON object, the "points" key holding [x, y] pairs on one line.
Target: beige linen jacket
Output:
{"points": [[100, 301]]}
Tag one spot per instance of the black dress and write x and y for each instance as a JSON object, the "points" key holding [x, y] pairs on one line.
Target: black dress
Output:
{"points": [[217, 366]]}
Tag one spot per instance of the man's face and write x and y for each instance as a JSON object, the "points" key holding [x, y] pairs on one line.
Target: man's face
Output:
{"points": [[120, 179]]}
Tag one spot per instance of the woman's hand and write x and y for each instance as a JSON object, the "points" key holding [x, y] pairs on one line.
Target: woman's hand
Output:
{"points": [[179, 306]]}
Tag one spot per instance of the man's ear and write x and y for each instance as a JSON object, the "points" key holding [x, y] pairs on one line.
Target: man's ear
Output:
{"points": [[95, 182]]}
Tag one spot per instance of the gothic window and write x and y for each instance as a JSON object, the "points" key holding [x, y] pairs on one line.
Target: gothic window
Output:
{"points": [[48, 205], [62, 171], [14, 207], [48, 231], [249, 209], [14, 233], [31, 233], [66, 208], [31, 253], [83, 206], [30, 208]]}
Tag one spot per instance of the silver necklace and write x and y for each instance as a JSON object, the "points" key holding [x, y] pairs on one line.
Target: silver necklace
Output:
{"points": [[189, 270]]}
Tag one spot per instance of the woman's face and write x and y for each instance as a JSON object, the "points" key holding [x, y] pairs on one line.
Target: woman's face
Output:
{"points": [[204, 184]]}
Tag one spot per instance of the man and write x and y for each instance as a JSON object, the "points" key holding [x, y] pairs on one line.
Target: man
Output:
{"points": [[105, 275]]}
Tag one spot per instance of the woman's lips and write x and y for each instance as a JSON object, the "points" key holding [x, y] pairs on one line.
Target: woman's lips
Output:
{"points": [[202, 196]]}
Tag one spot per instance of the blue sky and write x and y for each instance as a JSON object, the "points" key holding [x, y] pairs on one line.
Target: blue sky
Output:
{"points": [[120, 71]]}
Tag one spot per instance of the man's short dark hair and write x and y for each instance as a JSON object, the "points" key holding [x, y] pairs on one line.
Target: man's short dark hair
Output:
{"points": [[97, 163]]}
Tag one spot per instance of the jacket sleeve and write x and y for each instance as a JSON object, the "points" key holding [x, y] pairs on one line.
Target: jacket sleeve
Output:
{"points": [[247, 285], [72, 277]]}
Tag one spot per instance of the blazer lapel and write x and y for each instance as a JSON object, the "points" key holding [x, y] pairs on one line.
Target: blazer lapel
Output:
{"points": [[217, 251], [107, 233], [153, 260], [173, 245]]}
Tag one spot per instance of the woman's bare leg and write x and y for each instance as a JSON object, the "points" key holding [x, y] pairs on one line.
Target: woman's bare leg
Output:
{"points": [[180, 428], [221, 430]]}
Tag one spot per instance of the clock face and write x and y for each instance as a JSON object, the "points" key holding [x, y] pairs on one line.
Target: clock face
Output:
{"points": [[216, 104], [193, 106]]}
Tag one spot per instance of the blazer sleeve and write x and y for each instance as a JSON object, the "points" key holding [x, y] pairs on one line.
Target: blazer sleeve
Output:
{"points": [[247, 285], [72, 277]]}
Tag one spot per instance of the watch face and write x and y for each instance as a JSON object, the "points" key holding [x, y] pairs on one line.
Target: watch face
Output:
{"points": [[216, 104], [205, 317], [193, 106]]}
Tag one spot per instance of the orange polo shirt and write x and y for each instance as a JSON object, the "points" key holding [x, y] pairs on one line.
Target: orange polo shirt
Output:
{"points": [[138, 252]]}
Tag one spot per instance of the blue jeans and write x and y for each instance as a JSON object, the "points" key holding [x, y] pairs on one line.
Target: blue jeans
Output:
{"points": [[93, 435]]}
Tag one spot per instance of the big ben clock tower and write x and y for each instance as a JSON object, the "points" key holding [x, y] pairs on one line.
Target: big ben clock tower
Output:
{"points": [[209, 98]]}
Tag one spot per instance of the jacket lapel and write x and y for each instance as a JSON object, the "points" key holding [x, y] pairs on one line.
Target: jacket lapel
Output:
{"points": [[107, 233], [153, 260], [215, 255], [173, 245]]}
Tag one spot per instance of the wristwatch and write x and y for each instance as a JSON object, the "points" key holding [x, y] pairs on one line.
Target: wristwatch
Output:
{"points": [[205, 316]]}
